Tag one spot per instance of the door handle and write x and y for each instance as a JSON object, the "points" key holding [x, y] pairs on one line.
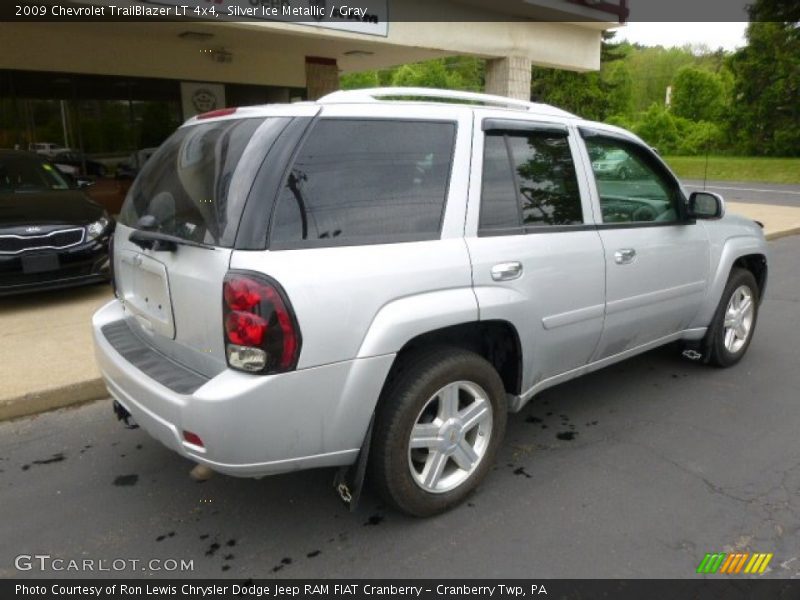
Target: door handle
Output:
{"points": [[507, 271], [624, 256]]}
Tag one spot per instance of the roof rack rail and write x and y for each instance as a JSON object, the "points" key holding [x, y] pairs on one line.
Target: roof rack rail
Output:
{"points": [[376, 94]]}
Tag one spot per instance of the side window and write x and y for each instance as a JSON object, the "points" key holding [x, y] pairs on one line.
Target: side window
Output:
{"points": [[546, 179], [529, 180], [633, 186], [362, 181], [499, 203]]}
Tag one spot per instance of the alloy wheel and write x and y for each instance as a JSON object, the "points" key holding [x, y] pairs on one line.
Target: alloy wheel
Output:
{"points": [[450, 437], [738, 319]]}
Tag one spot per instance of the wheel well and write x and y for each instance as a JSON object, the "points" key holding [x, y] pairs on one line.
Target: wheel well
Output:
{"points": [[496, 341], [757, 265]]}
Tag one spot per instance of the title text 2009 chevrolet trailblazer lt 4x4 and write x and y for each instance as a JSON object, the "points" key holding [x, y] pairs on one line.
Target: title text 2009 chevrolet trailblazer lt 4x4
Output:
{"points": [[374, 280]]}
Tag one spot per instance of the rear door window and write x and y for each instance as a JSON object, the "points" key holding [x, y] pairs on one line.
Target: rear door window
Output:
{"points": [[499, 205], [529, 182], [365, 181], [185, 185]]}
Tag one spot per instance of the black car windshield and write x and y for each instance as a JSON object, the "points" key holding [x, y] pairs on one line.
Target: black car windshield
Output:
{"points": [[21, 173]]}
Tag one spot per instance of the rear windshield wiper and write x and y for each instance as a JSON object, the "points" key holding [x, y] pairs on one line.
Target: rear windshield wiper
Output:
{"points": [[162, 242], [294, 185]]}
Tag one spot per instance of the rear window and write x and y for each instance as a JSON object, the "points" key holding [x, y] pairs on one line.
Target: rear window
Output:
{"points": [[186, 184], [365, 181]]}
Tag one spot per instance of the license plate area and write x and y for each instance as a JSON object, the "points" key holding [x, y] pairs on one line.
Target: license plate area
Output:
{"points": [[146, 294], [40, 263]]}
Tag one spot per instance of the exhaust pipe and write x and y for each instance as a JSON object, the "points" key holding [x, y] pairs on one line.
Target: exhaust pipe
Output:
{"points": [[124, 415], [199, 473]]}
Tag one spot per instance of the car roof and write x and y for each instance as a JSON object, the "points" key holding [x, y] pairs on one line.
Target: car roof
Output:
{"points": [[397, 95], [416, 96], [438, 97]]}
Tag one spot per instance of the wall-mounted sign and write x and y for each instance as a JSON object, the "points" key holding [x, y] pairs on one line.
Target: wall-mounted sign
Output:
{"points": [[197, 98]]}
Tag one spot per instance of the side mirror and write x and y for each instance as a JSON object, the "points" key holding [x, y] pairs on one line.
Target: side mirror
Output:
{"points": [[706, 205], [83, 182]]}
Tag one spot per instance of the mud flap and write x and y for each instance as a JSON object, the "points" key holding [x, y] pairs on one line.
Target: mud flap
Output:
{"points": [[349, 480], [700, 350]]}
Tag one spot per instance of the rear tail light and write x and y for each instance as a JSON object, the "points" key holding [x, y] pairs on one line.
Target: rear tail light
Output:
{"points": [[220, 112], [261, 331]]}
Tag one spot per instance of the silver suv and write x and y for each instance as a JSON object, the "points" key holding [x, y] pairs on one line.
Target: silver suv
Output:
{"points": [[374, 280]]}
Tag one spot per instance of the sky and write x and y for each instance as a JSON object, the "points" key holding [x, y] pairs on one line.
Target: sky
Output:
{"points": [[714, 35]]}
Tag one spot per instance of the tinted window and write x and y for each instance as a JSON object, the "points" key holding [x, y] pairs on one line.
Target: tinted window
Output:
{"points": [[185, 184], [529, 177], [24, 173], [546, 177], [499, 203], [633, 186], [366, 181]]}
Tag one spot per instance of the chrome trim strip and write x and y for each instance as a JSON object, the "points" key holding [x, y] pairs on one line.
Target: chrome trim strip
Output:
{"points": [[82, 230]]}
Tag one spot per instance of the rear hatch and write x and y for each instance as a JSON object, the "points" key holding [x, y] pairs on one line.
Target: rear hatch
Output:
{"points": [[192, 190]]}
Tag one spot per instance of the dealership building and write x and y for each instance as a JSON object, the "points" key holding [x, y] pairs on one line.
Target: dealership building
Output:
{"points": [[112, 87]]}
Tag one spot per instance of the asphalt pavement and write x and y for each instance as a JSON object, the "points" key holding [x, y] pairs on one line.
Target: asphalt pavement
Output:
{"points": [[638, 470], [751, 192]]}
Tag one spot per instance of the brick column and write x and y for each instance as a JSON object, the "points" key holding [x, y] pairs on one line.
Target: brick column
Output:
{"points": [[322, 76], [510, 76]]}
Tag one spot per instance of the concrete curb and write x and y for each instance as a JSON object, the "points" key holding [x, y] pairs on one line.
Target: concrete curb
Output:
{"points": [[775, 235], [52, 399]]}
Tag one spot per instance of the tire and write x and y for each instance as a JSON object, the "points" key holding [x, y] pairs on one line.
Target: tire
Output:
{"points": [[421, 396], [732, 328]]}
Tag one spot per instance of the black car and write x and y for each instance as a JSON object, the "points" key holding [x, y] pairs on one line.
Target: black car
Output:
{"points": [[51, 234]]}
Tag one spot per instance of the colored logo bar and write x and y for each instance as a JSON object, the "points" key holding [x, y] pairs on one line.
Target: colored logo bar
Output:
{"points": [[735, 563]]}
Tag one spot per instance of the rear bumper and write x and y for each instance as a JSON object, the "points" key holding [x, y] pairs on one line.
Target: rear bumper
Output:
{"points": [[251, 425]]}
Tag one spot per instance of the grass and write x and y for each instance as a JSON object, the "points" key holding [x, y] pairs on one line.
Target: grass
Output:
{"points": [[737, 168]]}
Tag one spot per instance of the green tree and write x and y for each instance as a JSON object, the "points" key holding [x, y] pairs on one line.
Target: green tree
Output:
{"points": [[594, 95], [455, 72], [581, 93], [432, 73], [659, 128], [653, 69], [775, 10], [765, 113], [619, 84], [698, 95], [362, 79], [698, 137]]}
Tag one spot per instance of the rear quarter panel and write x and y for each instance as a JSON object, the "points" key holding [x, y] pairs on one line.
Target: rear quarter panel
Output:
{"points": [[377, 296], [368, 300]]}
